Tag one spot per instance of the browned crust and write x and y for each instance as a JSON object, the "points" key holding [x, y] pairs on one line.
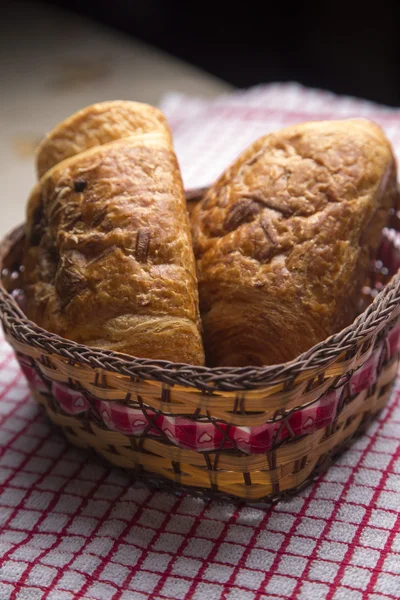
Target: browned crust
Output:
{"points": [[108, 259], [284, 239]]}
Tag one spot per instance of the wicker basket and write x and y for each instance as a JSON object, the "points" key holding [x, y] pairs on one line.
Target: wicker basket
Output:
{"points": [[252, 433]]}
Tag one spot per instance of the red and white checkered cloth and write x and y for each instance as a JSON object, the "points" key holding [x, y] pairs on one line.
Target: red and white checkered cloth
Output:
{"points": [[71, 528]]}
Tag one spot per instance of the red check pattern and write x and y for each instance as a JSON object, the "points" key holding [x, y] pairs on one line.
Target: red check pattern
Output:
{"points": [[72, 528], [210, 436]]}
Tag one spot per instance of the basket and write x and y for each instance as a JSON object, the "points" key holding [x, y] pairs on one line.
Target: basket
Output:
{"points": [[249, 433]]}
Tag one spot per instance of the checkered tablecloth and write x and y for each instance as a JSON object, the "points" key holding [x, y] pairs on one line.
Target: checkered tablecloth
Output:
{"points": [[70, 527]]}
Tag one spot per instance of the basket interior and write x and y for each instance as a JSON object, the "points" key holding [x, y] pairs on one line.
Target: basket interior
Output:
{"points": [[386, 264]]}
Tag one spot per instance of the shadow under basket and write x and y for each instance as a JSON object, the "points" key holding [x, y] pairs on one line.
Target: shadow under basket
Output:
{"points": [[252, 433]]}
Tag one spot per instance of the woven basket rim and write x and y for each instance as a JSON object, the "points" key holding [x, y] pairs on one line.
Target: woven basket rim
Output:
{"points": [[212, 379]]}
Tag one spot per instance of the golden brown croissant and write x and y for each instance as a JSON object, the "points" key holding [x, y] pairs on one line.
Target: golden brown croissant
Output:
{"points": [[108, 256], [284, 239]]}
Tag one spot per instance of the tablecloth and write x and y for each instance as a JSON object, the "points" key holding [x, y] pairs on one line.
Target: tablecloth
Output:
{"points": [[73, 528]]}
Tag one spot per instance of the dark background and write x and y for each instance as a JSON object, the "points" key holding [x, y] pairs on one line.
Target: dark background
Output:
{"points": [[347, 47]]}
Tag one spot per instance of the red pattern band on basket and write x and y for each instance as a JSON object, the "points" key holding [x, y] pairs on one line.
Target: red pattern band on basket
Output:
{"points": [[202, 436]]}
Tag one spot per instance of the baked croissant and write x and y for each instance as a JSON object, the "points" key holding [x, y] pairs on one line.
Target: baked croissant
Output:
{"points": [[284, 239], [108, 255]]}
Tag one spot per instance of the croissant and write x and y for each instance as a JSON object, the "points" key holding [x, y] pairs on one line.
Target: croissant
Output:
{"points": [[284, 239], [108, 256]]}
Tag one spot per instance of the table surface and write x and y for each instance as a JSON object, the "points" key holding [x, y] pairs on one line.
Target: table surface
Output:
{"points": [[53, 63]]}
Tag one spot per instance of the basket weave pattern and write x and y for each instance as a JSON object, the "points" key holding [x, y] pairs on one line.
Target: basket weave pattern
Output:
{"points": [[253, 433]]}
